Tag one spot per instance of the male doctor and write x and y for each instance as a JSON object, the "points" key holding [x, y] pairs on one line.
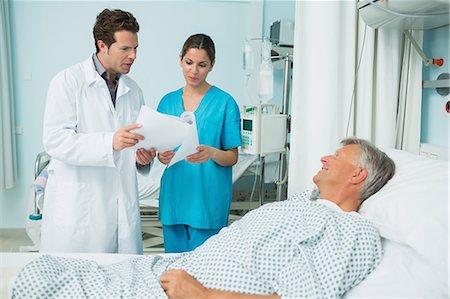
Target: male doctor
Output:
{"points": [[91, 198]]}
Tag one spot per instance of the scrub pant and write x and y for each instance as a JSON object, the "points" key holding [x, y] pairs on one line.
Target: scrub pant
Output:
{"points": [[182, 238]]}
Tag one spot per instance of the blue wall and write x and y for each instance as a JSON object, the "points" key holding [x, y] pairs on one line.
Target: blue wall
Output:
{"points": [[48, 36], [435, 120]]}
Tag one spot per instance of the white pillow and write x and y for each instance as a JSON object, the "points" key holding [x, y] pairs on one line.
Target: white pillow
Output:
{"points": [[412, 215]]}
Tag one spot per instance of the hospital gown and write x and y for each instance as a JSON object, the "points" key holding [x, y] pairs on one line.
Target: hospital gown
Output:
{"points": [[296, 248]]}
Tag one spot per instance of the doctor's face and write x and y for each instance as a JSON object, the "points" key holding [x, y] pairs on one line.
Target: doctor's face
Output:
{"points": [[338, 168], [196, 65], [119, 57]]}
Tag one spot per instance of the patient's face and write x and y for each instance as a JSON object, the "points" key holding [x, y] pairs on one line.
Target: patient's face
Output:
{"points": [[338, 168]]}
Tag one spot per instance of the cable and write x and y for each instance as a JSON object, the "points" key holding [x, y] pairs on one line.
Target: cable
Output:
{"points": [[401, 14], [285, 176], [354, 82], [254, 181]]}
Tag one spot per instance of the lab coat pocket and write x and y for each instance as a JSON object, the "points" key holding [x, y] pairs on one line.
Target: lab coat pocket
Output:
{"points": [[72, 204]]}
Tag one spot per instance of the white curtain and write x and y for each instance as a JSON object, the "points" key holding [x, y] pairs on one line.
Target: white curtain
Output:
{"points": [[410, 98], [388, 94], [377, 87], [8, 167], [347, 81], [323, 75]]}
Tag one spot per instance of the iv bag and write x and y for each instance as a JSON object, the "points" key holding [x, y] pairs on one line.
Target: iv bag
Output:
{"points": [[266, 50], [265, 77], [247, 62], [265, 91]]}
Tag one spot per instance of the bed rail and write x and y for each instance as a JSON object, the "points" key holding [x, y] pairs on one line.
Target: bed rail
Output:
{"points": [[42, 160]]}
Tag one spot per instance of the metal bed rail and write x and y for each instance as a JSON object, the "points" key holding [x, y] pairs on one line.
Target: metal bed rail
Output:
{"points": [[41, 161]]}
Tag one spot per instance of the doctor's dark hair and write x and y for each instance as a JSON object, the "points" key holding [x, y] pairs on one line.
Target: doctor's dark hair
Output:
{"points": [[109, 22], [380, 168], [200, 41]]}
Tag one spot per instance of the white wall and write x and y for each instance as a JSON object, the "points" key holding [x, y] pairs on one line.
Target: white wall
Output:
{"points": [[51, 35]]}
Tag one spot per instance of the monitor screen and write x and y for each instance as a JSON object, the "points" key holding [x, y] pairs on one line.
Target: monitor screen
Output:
{"points": [[247, 124]]}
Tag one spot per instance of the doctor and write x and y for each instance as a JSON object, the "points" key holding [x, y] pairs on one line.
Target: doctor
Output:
{"points": [[91, 199]]}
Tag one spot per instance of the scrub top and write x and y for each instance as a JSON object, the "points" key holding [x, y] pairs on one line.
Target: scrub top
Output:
{"points": [[199, 195]]}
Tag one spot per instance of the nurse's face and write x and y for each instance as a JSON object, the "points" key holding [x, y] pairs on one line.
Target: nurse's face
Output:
{"points": [[195, 65], [120, 56]]}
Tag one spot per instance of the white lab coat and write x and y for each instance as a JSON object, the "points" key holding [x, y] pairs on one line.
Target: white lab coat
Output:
{"points": [[91, 198]]}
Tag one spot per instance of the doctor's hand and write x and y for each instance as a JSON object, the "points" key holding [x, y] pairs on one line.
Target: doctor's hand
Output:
{"points": [[145, 157], [204, 154], [178, 284], [165, 157], [123, 138]]}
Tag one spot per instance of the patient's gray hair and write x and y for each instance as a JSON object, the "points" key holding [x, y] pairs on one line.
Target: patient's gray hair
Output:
{"points": [[379, 166]]}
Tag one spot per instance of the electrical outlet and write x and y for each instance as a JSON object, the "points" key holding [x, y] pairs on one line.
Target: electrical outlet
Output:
{"points": [[27, 76], [433, 151], [19, 130]]}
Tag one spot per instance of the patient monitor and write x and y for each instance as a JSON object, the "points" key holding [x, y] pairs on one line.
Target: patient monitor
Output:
{"points": [[263, 130]]}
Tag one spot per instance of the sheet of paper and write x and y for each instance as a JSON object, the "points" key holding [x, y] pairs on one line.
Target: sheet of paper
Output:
{"points": [[165, 132], [190, 140]]}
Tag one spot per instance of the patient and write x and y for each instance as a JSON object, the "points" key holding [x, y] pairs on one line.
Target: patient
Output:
{"points": [[297, 248]]}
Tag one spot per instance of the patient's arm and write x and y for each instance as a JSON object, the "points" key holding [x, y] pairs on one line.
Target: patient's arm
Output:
{"points": [[179, 284]]}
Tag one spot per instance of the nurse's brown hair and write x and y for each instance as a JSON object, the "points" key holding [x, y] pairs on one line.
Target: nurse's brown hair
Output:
{"points": [[200, 41]]}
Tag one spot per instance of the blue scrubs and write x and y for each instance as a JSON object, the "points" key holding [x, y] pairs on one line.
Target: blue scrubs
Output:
{"points": [[199, 195]]}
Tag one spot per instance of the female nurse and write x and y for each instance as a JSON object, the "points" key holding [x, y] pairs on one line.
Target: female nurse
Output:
{"points": [[196, 193]]}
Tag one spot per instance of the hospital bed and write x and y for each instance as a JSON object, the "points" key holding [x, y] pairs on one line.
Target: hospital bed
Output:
{"points": [[412, 215], [148, 186]]}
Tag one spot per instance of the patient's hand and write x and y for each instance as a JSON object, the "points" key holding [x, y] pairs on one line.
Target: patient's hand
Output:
{"points": [[178, 284], [165, 157]]}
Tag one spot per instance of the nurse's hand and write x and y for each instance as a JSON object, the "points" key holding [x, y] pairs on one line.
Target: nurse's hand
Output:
{"points": [[123, 138], [145, 157], [178, 284], [204, 154], [165, 157]]}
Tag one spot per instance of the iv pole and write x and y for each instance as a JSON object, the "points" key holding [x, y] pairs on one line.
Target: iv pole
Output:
{"points": [[282, 173], [282, 177]]}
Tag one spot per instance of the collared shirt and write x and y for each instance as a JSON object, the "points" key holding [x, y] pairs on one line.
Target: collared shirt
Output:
{"points": [[112, 85]]}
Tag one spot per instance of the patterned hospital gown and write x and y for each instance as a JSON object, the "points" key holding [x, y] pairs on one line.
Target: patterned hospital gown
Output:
{"points": [[296, 248]]}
